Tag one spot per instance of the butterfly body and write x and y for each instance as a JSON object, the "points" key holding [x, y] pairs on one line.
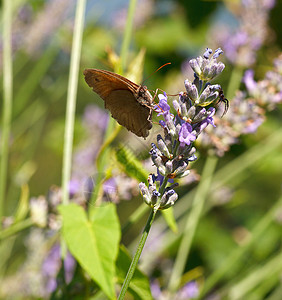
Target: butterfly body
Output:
{"points": [[129, 103]]}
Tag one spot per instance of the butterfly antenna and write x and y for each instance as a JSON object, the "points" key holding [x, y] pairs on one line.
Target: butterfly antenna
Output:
{"points": [[169, 63]]}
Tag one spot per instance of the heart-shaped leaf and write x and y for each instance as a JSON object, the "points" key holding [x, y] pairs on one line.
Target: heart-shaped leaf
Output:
{"points": [[94, 244]]}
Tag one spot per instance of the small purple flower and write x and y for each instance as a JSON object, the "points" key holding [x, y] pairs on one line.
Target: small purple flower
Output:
{"points": [[210, 117], [185, 135], [51, 267], [69, 267], [162, 123], [190, 290], [156, 290], [162, 106], [217, 52], [160, 178], [207, 53], [209, 120], [95, 117], [110, 186], [249, 81], [252, 126], [74, 187]]}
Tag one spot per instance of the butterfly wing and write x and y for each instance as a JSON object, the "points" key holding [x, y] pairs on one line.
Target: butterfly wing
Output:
{"points": [[120, 97], [103, 82], [130, 114]]}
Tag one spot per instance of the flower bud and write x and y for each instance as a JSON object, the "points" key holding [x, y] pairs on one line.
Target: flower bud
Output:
{"points": [[168, 199], [169, 167], [145, 193], [176, 106], [207, 53], [169, 123], [168, 142], [209, 94], [155, 196], [195, 66], [38, 211], [192, 90], [191, 113], [162, 146], [181, 168]]}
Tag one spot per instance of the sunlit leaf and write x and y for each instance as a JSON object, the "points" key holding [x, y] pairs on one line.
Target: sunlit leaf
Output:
{"points": [[94, 244]]}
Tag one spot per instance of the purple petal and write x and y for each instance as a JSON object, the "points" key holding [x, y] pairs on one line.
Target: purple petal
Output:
{"points": [[249, 81]]}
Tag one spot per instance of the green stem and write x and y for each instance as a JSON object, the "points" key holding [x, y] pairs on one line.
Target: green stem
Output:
{"points": [[137, 255], [7, 99], [162, 188], [256, 277], [127, 35], [192, 222], [71, 98], [15, 228]]}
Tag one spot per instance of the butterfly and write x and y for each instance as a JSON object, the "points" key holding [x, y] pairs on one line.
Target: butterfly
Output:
{"points": [[129, 103]]}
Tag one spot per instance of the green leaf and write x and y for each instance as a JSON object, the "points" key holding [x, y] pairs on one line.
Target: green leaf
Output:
{"points": [[139, 286], [94, 244], [130, 164], [135, 69], [23, 205], [169, 218]]}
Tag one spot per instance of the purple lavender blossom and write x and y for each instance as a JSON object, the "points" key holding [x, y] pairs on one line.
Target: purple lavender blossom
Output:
{"points": [[175, 151], [268, 91], [162, 106], [189, 291], [69, 267], [156, 290], [185, 135], [240, 45], [52, 265], [249, 81], [110, 190], [160, 178], [74, 187], [95, 117]]}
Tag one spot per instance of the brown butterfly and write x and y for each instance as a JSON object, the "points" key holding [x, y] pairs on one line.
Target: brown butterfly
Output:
{"points": [[129, 103]]}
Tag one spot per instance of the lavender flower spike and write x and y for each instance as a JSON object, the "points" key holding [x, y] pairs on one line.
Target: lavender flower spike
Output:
{"points": [[174, 151]]}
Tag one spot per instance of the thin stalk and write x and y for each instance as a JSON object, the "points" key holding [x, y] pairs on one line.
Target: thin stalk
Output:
{"points": [[260, 274], [127, 35], [137, 255], [7, 99], [71, 97], [141, 244], [236, 256], [192, 222], [15, 228]]}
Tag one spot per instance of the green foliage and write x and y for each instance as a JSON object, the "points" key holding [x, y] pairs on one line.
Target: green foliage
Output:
{"points": [[130, 164], [169, 218], [93, 243]]}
